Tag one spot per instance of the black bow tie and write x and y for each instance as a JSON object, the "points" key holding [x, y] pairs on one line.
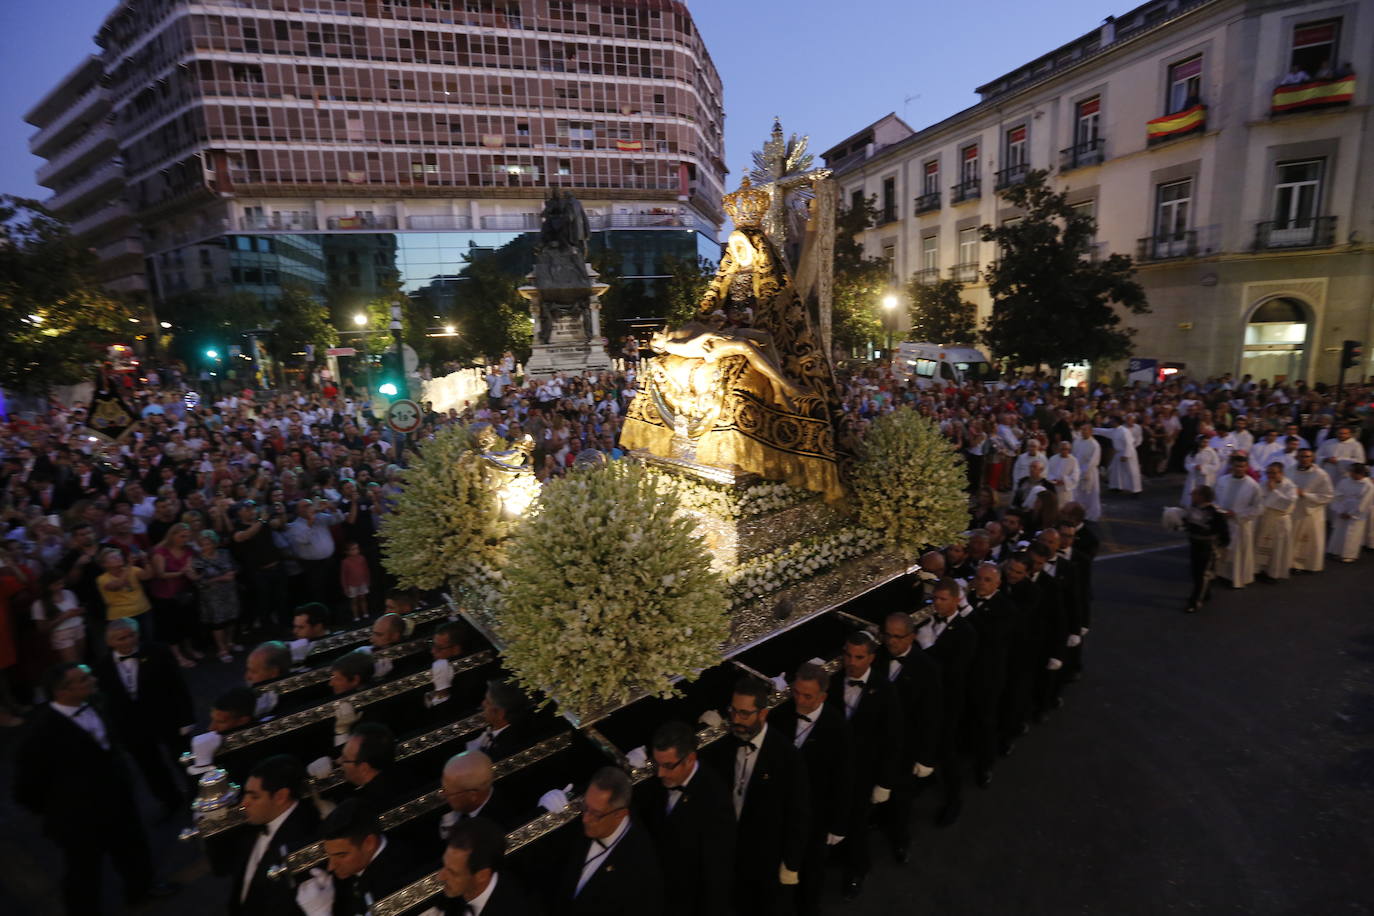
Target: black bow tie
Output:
{"points": [[804, 718], [126, 658], [855, 682], [748, 745], [681, 790], [265, 829]]}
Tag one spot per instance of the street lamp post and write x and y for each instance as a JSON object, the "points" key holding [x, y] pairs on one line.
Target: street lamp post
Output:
{"points": [[889, 314]]}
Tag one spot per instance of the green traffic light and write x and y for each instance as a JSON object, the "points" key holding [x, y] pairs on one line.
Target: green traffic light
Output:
{"points": [[212, 354], [388, 388]]}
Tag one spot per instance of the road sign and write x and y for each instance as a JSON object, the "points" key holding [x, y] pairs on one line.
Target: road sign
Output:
{"points": [[341, 351], [404, 416]]}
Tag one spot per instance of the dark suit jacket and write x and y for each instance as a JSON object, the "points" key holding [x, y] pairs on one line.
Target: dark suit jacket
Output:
{"points": [[515, 737], [163, 704], [918, 686], [389, 871], [776, 817], [266, 896], [628, 883], [508, 899], [994, 618], [828, 750], [695, 842], [876, 726], [65, 776], [953, 651]]}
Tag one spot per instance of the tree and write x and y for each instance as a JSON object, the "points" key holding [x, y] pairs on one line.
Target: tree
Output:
{"points": [[1053, 304], [492, 316], [300, 319], [860, 281], [939, 314], [55, 321], [681, 290]]}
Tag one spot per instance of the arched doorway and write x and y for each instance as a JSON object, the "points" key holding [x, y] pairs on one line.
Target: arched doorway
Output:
{"points": [[1276, 340]]}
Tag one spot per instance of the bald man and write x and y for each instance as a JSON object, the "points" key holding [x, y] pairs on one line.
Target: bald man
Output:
{"points": [[388, 630], [469, 787]]}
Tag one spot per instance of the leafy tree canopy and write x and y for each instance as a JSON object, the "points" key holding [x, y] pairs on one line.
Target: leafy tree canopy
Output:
{"points": [[1052, 303], [681, 291], [860, 281], [939, 314]]}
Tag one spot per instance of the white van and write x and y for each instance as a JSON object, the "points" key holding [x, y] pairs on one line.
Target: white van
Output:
{"points": [[926, 364]]}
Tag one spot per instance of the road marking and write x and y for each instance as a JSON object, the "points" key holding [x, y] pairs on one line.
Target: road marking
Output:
{"points": [[1136, 553]]}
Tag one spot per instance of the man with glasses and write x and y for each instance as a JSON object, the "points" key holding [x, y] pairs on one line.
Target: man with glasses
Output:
{"points": [[916, 679], [612, 867], [368, 762], [687, 812], [771, 797]]}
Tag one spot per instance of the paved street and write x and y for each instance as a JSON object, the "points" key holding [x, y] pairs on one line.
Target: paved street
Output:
{"points": [[1217, 763]]}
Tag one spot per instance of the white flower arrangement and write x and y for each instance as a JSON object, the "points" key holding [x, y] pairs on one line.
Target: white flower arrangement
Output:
{"points": [[728, 503], [447, 524], [608, 591], [780, 568], [908, 483]]}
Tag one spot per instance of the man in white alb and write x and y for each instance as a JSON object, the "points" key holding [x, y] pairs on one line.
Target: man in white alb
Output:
{"points": [[1274, 531], [1239, 498], [1089, 455], [1309, 515]]}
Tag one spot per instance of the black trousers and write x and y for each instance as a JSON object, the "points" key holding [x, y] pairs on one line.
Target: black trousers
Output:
{"points": [[1202, 566], [855, 851], [151, 753], [84, 850]]}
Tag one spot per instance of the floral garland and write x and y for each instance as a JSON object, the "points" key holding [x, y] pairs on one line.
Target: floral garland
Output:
{"points": [[788, 565], [727, 502]]}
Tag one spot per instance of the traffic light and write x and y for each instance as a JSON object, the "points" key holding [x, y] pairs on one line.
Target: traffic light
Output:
{"points": [[1352, 354], [392, 383]]}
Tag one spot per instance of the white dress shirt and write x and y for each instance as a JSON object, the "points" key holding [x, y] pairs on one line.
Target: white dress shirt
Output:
{"points": [[260, 849], [675, 794], [87, 719], [448, 820], [128, 675], [805, 723], [853, 694], [598, 851], [478, 903], [745, 758], [894, 667]]}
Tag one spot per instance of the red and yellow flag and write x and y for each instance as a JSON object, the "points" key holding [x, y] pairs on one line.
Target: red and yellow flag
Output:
{"points": [[1180, 122], [629, 146], [1313, 94]]}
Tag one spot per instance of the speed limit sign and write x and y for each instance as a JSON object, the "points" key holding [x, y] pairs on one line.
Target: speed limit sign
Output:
{"points": [[404, 416]]}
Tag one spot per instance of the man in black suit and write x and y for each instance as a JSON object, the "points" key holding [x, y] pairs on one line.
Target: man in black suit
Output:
{"points": [[146, 697], [364, 865], [1059, 612], [612, 869], [473, 881], [994, 618], [951, 641], [870, 705], [820, 732], [1080, 558], [687, 812], [368, 764], [469, 786], [504, 708], [916, 678], [70, 772], [771, 797], [1025, 655], [282, 824]]}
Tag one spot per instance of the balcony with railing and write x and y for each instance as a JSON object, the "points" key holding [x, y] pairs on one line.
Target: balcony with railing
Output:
{"points": [[1081, 155], [928, 202], [964, 273], [1167, 245], [95, 143], [518, 222], [358, 223], [927, 276], [887, 215], [1011, 175], [108, 215], [108, 176], [1304, 232], [81, 106], [1191, 120], [279, 222], [1313, 95], [969, 189], [436, 221]]}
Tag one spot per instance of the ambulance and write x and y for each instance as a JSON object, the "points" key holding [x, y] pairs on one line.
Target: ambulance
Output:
{"points": [[926, 364]]}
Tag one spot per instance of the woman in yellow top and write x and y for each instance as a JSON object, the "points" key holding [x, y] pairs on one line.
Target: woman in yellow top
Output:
{"points": [[121, 586]]}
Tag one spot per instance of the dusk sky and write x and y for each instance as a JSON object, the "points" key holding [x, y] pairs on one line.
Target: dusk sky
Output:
{"points": [[826, 69]]}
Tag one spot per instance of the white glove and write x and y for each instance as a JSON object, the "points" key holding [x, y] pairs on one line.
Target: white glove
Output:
{"points": [[315, 895], [203, 747], [1082, 631], [441, 674], [474, 745], [266, 703], [555, 799], [433, 911], [185, 730], [381, 667], [921, 771], [880, 794], [816, 661], [638, 758], [710, 718], [786, 876], [832, 840], [779, 682], [1053, 664], [344, 716], [320, 767], [1074, 640], [299, 649]]}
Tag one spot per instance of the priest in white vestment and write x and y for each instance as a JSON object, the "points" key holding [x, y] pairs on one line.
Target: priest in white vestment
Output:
{"points": [[1309, 515], [1274, 530], [1063, 473], [1335, 456], [1089, 456], [1350, 512], [1202, 464], [1124, 474], [1240, 499]]}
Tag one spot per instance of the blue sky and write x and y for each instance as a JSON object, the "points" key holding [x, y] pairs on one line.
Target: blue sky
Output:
{"points": [[827, 69]]}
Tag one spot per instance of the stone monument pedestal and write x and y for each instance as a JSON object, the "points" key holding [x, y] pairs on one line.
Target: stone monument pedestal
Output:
{"points": [[575, 344]]}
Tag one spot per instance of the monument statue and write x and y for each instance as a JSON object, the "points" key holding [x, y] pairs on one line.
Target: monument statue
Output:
{"points": [[760, 399]]}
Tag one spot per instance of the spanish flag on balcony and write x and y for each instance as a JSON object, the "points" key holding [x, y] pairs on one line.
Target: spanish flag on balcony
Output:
{"points": [[1176, 124], [1314, 94], [629, 146]]}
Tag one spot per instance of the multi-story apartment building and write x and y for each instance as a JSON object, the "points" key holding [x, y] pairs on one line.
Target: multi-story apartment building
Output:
{"points": [[1224, 144], [358, 143]]}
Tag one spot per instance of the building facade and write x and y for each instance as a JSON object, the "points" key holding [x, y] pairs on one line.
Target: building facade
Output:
{"points": [[1224, 144], [352, 144]]}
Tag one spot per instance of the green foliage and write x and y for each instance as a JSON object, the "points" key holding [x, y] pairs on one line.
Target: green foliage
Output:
{"points": [[860, 282], [300, 318], [909, 483], [447, 526], [680, 292], [1052, 304], [45, 275], [939, 314], [491, 316], [609, 591], [624, 299]]}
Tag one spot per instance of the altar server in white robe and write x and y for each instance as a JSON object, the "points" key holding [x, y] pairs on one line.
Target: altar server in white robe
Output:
{"points": [[1124, 474], [1274, 530], [1309, 515], [1202, 464], [1239, 497], [1350, 512], [1289, 456], [1063, 473], [1089, 455], [1267, 449], [1021, 469], [1335, 456], [1244, 439]]}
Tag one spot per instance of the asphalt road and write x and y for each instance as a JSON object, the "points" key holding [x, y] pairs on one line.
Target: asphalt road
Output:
{"points": [[1213, 763]]}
